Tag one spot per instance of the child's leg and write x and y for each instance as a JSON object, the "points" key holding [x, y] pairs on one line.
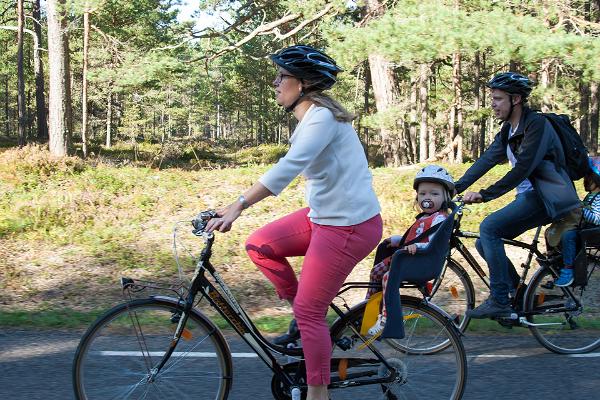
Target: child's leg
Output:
{"points": [[377, 273], [569, 251], [380, 323], [384, 282]]}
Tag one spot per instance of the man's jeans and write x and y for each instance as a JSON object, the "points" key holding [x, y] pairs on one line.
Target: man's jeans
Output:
{"points": [[526, 212]]}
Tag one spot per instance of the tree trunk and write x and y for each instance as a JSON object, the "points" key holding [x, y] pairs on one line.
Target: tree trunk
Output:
{"points": [[424, 72], [384, 90], [385, 93], [545, 83], [584, 113], [40, 97], [457, 132], [6, 107], [477, 105], [412, 129], [109, 109], [84, 83], [20, 74], [431, 114], [594, 114], [58, 66], [482, 93]]}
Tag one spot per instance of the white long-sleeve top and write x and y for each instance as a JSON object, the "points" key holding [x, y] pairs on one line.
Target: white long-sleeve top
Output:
{"points": [[328, 153]]}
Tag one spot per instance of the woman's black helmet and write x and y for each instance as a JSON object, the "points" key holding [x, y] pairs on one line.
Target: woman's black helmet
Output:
{"points": [[307, 63], [512, 83]]}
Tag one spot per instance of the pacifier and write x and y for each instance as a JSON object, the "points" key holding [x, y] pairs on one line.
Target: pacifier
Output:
{"points": [[426, 204]]}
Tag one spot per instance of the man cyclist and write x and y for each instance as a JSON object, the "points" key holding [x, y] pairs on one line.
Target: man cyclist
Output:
{"points": [[544, 190]]}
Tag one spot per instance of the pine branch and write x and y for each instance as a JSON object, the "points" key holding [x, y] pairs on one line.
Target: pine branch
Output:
{"points": [[265, 29]]}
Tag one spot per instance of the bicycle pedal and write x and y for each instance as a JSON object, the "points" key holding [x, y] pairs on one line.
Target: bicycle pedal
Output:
{"points": [[512, 317]]}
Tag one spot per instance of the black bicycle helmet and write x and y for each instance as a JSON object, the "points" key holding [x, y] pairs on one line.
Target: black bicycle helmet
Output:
{"points": [[307, 63], [512, 83]]}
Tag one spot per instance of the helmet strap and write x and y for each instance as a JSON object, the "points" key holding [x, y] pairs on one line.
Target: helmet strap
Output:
{"points": [[291, 107], [295, 103]]}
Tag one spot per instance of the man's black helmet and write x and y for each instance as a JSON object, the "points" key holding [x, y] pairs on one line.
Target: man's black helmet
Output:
{"points": [[512, 83], [306, 62]]}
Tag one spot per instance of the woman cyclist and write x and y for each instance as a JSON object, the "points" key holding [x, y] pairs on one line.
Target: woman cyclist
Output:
{"points": [[341, 224]]}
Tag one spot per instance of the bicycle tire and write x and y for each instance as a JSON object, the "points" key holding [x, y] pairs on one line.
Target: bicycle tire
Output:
{"points": [[454, 293], [578, 331], [116, 355], [439, 375]]}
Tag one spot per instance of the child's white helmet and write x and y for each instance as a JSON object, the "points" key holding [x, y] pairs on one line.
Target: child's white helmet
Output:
{"points": [[437, 174]]}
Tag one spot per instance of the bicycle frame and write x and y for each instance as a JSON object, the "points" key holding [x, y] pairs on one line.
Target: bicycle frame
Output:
{"points": [[456, 243], [222, 299]]}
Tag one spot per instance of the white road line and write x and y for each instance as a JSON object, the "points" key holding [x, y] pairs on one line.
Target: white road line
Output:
{"points": [[253, 355], [585, 355], [176, 353], [494, 356], [588, 355]]}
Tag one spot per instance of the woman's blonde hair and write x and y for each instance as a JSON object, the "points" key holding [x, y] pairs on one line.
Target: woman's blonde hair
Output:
{"points": [[322, 100]]}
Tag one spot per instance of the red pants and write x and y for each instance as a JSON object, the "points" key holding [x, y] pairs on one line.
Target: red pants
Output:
{"points": [[330, 253]]}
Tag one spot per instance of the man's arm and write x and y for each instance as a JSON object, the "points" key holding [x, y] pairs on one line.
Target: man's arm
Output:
{"points": [[533, 149], [493, 155]]}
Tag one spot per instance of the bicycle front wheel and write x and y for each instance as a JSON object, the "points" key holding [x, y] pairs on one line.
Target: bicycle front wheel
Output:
{"points": [[563, 326], [419, 374], [118, 355]]}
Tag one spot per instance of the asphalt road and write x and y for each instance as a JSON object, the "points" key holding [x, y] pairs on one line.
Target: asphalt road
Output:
{"points": [[37, 365]]}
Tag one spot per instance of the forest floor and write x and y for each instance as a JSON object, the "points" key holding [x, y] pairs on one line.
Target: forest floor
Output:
{"points": [[69, 229]]}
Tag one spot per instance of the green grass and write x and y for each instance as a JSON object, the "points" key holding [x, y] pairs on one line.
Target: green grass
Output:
{"points": [[70, 228], [48, 319]]}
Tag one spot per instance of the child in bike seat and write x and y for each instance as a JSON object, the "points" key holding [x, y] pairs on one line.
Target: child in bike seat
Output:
{"points": [[434, 188], [590, 215]]}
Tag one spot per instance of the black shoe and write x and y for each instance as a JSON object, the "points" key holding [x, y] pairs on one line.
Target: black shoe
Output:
{"points": [[291, 336], [489, 309]]}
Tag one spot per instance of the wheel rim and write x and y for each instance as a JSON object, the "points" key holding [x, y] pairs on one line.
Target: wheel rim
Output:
{"points": [[419, 375], [116, 361], [453, 293], [576, 331]]}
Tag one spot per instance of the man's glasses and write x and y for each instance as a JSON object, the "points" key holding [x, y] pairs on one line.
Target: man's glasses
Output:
{"points": [[279, 77]]}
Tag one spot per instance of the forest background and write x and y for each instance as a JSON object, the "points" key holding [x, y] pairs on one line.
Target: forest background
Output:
{"points": [[119, 118]]}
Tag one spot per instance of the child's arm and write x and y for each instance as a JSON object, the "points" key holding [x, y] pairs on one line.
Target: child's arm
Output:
{"points": [[422, 246], [591, 212]]}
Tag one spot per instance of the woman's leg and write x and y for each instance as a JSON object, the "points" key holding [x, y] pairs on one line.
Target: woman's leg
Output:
{"points": [[331, 256], [269, 246]]}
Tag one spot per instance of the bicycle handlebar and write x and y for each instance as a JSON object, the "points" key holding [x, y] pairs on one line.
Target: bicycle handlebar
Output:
{"points": [[199, 223]]}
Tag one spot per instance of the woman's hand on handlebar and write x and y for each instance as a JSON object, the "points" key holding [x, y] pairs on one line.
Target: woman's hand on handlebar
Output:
{"points": [[472, 197], [225, 218]]}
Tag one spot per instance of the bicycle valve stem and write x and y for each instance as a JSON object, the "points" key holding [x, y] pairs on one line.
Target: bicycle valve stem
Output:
{"points": [[426, 204]]}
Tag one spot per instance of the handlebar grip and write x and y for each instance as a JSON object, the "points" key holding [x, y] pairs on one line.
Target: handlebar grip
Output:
{"points": [[199, 223]]}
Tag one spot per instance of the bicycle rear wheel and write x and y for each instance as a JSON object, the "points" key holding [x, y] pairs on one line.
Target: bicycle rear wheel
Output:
{"points": [[574, 329], [441, 375], [453, 292], [117, 356]]}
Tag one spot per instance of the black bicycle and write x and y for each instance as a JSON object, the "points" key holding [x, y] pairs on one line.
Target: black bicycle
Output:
{"points": [[565, 320], [163, 347]]}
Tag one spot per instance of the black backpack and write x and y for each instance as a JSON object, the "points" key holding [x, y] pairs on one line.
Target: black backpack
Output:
{"points": [[576, 154]]}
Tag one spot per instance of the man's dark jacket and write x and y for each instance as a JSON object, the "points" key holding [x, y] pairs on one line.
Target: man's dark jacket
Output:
{"points": [[540, 158]]}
